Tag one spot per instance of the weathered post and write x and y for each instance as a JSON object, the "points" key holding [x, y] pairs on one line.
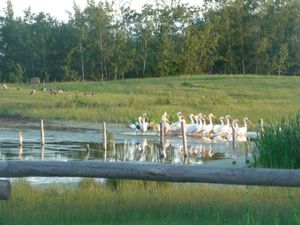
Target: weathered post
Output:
{"points": [[20, 144], [104, 141], [233, 146], [21, 152], [5, 190], [262, 125], [42, 133], [247, 160], [115, 151], [184, 139], [104, 137], [42, 152], [87, 150], [162, 139], [20, 138]]}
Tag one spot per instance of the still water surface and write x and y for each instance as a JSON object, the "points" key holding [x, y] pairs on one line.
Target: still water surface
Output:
{"points": [[70, 141]]}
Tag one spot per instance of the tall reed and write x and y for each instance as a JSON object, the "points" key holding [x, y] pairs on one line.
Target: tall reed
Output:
{"points": [[279, 144]]}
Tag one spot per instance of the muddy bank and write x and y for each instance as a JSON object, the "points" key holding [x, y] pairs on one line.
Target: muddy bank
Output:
{"points": [[33, 123]]}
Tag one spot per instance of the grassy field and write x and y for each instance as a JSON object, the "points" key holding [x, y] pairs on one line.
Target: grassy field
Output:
{"points": [[151, 203], [122, 101], [133, 202]]}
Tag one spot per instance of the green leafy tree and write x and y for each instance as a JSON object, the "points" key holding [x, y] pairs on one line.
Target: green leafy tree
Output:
{"points": [[17, 75]]}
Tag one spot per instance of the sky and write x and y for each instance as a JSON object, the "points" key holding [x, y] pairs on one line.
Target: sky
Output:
{"points": [[58, 8]]}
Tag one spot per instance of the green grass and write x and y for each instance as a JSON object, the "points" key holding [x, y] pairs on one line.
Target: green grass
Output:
{"points": [[136, 202], [123, 100], [279, 144]]}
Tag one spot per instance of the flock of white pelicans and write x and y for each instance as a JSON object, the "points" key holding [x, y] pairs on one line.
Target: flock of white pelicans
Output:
{"points": [[200, 126]]}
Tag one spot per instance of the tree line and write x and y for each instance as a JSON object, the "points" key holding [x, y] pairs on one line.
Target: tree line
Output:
{"points": [[105, 42]]}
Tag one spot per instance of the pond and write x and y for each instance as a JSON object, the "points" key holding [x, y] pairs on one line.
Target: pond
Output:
{"points": [[83, 141]]}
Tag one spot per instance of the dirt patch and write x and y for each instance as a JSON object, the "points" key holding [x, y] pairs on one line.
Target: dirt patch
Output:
{"points": [[33, 123]]}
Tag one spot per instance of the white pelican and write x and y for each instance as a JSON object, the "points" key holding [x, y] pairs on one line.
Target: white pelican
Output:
{"points": [[207, 128], [238, 137], [165, 122], [194, 126], [175, 128], [220, 139], [133, 125], [226, 130], [136, 125], [241, 131], [143, 126], [199, 122], [217, 127]]}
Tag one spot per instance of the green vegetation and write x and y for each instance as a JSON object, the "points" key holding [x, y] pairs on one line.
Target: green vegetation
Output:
{"points": [[279, 145], [132, 202], [122, 101], [104, 41]]}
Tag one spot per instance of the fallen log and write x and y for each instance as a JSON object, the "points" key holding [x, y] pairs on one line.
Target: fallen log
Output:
{"points": [[155, 172]]}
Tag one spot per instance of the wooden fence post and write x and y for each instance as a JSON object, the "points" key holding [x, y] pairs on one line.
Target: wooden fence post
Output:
{"points": [[5, 190], [42, 133], [20, 138], [20, 152], [87, 151], [262, 124], [104, 136], [104, 141], [247, 160], [42, 152], [233, 146], [162, 140], [184, 139]]}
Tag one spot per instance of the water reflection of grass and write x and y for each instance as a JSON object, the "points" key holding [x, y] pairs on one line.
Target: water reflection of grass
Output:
{"points": [[120, 101], [132, 202]]}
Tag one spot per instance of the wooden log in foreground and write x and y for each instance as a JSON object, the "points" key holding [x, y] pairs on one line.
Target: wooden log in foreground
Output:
{"points": [[155, 172], [5, 190]]}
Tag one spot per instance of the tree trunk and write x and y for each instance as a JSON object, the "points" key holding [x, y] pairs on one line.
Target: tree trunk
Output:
{"points": [[243, 66], [82, 62], [145, 58]]}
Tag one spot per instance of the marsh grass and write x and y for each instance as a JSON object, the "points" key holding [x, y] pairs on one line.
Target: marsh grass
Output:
{"points": [[122, 100], [279, 144], [138, 202]]}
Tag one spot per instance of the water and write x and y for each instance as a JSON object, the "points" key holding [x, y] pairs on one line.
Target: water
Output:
{"points": [[83, 141]]}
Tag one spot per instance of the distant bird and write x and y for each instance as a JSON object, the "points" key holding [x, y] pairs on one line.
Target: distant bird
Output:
{"points": [[32, 92], [133, 125], [238, 137], [142, 124], [218, 127], [220, 139], [5, 87], [207, 128], [196, 125], [175, 128], [241, 131], [165, 122], [226, 130]]}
